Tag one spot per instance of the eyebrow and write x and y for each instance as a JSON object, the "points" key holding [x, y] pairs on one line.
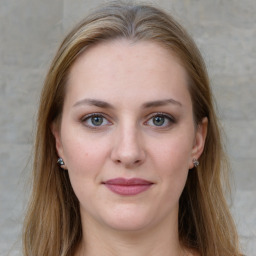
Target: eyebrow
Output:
{"points": [[159, 103], [93, 102], [104, 104]]}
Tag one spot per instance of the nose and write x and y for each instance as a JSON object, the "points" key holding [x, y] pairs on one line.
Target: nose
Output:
{"points": [[128, 148]]}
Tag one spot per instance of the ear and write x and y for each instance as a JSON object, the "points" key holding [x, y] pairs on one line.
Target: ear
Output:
{"points": [[199, 141], [58, 144]]}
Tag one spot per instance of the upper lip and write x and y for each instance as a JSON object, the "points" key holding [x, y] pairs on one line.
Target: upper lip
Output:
{"points": [[127, 182]]}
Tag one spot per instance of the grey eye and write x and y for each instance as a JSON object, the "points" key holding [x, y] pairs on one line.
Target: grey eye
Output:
{"points": [[97, 120], [158, 120]]}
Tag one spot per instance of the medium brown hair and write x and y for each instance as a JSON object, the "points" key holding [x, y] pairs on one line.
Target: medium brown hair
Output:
{"points": [[53, 224]]}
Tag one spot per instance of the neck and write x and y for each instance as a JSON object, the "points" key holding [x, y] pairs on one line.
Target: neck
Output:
{"points": [[159, 240]]}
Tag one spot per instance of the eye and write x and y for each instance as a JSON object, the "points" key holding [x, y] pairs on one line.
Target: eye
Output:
{"points": [[95, 120], [160, 120]]}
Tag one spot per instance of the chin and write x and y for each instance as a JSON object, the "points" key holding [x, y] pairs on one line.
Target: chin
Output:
{"points": [[127, 219], [128, 225]]}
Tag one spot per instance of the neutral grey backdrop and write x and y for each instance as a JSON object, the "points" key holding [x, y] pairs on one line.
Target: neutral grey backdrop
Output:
{"points": [[30, 32]]}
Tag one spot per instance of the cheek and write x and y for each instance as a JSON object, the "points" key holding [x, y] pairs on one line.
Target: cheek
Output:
{"points": [[85, 160], [172, 159], [175, 152], [83, 154]]}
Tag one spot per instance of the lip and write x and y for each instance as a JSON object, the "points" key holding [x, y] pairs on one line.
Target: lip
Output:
{"points": [[128, 187]]}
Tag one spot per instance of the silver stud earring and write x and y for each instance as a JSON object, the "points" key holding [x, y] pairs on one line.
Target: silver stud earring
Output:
{"points": [[195, 162], [60, 161]]}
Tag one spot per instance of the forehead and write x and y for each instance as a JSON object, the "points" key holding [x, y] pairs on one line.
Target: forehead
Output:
{"points": [[127, 69], [126, 51]]}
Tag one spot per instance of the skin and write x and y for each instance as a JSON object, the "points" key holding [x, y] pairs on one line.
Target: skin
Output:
{"points": [[147, 131]]}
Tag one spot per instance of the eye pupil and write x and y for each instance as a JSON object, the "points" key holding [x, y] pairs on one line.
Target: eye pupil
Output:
{"points": [[97, 120], [158, 120]]}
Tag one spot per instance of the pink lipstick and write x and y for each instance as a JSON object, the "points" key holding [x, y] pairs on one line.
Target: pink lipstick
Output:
{"points": [[128, 187]]}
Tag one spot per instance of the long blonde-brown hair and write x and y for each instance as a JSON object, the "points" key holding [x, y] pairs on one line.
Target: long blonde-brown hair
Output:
{"points": [[53, 225]]}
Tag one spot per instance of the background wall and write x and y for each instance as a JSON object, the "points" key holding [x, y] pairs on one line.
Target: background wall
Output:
{"points": [[30, 31]]}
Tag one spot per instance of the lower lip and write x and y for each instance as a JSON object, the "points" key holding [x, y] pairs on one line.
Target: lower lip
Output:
{"points": [[128, 190]]}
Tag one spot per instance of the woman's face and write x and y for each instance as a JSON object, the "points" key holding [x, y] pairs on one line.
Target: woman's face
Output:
{"points": [[127, 134]]}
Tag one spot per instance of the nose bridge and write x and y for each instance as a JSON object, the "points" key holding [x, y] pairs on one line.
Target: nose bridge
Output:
{"points": [[128, 147]]}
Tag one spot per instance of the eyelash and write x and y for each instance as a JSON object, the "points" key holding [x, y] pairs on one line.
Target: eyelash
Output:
{"points": [[170, 119], [90, 116]]}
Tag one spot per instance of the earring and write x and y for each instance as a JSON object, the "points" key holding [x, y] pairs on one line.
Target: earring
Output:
{"points": [[195, 162], [60, 161]]}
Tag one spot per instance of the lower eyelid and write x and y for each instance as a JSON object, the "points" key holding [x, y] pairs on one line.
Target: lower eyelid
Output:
{"points": [[86, 120]]}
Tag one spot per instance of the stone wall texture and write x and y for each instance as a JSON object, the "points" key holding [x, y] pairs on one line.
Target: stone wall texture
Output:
{"points": [[30, 31]]}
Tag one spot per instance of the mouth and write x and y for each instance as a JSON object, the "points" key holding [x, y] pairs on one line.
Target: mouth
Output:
{"points": [[128, 187]]}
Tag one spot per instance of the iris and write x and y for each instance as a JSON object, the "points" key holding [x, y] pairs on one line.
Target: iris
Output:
{"points": [[158, 120]]}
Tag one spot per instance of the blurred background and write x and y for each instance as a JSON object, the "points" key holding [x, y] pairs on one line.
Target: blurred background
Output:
{"points": [[30, 32]]}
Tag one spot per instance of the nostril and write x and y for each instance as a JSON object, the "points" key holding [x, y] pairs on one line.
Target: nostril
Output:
{"points": [[128, 153], [128, 163]]}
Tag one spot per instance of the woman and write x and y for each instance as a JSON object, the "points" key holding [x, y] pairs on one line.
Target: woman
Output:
{"points": [[126, 112]]}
